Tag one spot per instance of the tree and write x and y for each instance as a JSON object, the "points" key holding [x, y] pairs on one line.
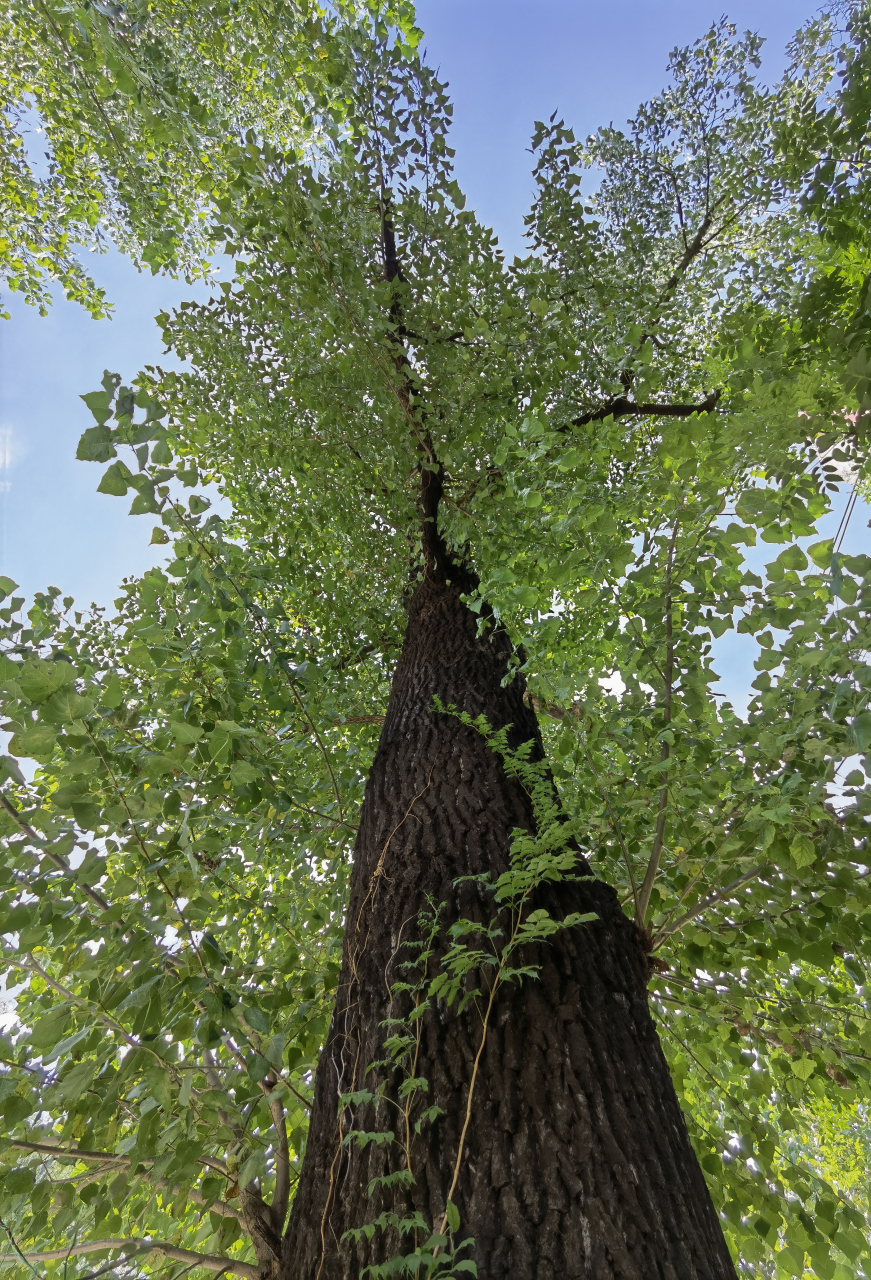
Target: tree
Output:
{"points": [[351, 880]]}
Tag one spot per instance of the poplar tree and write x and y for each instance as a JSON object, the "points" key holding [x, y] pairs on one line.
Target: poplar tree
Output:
{"points": [[392, 892]]}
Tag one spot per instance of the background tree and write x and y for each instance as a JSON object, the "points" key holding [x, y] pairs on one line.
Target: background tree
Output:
{"points": [[465, 492]]}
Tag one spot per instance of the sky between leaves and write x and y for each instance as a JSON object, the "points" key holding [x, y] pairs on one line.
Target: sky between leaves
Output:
{"points": [[508, 63]]}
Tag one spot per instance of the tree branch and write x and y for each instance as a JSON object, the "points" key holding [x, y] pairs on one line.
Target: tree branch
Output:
{"points": [[57, 861], [110, 1158], [717, 896], [575, 712], [620, 406], [209, 1261], [281, 1196], [692, 250], [643, 900], [615, 825], [35, 967]]}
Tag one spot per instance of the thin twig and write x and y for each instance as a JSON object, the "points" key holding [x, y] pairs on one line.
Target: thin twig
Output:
{"points": [[53, 858], [717, 896], [210, 1262], [639, 917], [665, 749]]}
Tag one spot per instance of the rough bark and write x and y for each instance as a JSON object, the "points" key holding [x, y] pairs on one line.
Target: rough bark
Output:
{"points": [[577, 1161]]}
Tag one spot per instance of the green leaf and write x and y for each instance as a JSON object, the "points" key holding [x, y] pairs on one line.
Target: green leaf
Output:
{"points": [[155, 766], [821, 553], [184, 733], [152, 407], [860, 730], [36, 743], [242, 772], [68, 705], [252, 1168], [75, 1082], [116, 480], [50, 1028], [453, 1216], [792, 558], [161, 454], [88, 816], [9, 769], [803, 850], [144, 503], [112, 693], [18, 1180], [213, 949], [7, 586], [140, 996], [100, 405], [17, 1108], [802, 1067], [139, 656], [96, 445], [39, 679], [257, 1019], [456, 195]]}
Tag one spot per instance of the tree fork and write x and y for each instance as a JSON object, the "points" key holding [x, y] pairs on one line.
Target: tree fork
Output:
{"points": [[577, 1161]]}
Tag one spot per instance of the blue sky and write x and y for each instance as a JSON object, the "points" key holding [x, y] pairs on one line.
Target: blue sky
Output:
{"points": [[508, 63], [511, 62]]}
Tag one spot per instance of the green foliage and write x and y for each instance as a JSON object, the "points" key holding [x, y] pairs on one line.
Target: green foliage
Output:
{"points": [[181, 892], [176, 864], [147, 112]]}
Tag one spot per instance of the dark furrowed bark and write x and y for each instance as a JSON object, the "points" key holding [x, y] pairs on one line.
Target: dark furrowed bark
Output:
{"points": [[576, 1162]]}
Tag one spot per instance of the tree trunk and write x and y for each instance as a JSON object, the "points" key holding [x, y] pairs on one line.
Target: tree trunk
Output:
{"points": [[576, 1161]]}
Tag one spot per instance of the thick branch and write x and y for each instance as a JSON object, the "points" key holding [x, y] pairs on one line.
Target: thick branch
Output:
{"points": [[620, 406], [281, 1197], [439, 563], [575, 712], [392, 265], [207, 1260], [692, 250]]}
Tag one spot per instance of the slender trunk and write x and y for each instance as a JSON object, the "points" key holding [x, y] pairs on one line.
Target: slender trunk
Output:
{"points": [[576, 1161]]}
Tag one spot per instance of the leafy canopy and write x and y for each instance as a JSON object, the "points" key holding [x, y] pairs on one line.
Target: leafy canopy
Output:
{"points": [[146, 109], [638, 427]]}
